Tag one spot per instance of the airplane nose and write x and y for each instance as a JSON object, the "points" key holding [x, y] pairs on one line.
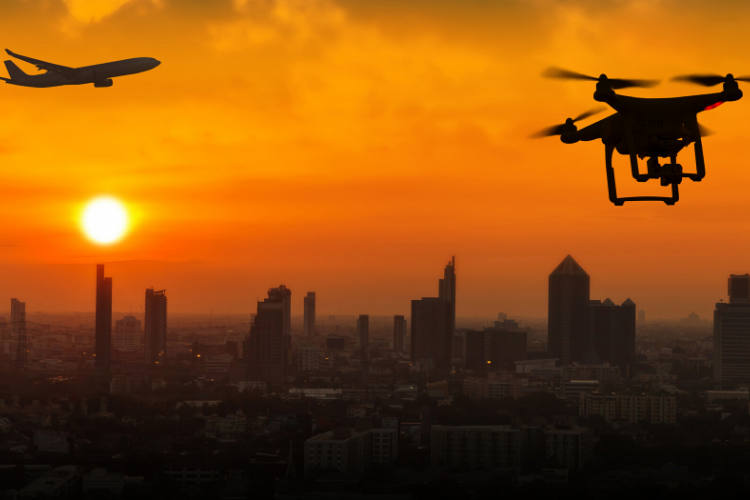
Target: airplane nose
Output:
{"points": [[156, 62]]}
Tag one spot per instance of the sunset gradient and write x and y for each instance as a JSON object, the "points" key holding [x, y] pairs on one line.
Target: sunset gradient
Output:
{"points": [[352, 147]]}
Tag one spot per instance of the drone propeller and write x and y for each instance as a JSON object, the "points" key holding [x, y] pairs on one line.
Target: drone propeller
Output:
{"points": [[705, 132], [709, 80], [558, 129], [615, 83]]}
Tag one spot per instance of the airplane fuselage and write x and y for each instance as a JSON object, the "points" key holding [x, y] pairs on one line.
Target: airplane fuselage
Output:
{"points": [[97, 73]]}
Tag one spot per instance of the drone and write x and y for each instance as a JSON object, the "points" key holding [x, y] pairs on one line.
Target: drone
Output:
{"points": [[651, 128]]}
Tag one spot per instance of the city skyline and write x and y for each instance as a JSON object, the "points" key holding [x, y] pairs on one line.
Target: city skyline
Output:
{"points": [[130, 280]]}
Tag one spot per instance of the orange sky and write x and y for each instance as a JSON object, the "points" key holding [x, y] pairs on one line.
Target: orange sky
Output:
{"points": [[352, 147]]}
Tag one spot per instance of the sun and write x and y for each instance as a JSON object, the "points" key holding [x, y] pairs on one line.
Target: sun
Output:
{"points": [[105, 220]]}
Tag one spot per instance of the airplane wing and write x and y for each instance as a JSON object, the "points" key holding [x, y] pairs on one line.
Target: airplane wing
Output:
{"points": [[56, 68]]}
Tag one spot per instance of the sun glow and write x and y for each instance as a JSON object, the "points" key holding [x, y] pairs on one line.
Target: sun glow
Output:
{"points": [[105, 220]]}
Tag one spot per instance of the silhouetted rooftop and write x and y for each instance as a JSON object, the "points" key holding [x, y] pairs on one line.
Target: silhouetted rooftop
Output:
{"points": [[569, 266]]}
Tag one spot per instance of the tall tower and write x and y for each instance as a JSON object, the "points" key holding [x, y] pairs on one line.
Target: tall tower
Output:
{"points": [[363, 335], [284, 295], [308, 326], [612, 330], [447, 289], [399, 333], [156, 326], [732, 333], [18, 330], [264, 347], [433, 323], [568, 316], [103, 339]]}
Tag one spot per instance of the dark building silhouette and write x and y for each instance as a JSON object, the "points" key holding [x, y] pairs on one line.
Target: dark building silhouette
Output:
{"points": [[18, 331], [363, 337], [308, 324], [505, 344], [265, 346], [431, 334], [474, 348], [568, 313], [399, 333], [103, 331], [738, 288], [156, 326], [496, 347], [447, 289], [612, 337], [284, 295], [433, 323], [732, 333]]}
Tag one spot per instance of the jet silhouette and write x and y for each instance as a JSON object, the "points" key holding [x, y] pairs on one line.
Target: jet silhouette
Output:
{"points": [[55, 76]]}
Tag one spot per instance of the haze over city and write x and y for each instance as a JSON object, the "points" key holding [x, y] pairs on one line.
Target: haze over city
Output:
{"points": [[349, 147]]}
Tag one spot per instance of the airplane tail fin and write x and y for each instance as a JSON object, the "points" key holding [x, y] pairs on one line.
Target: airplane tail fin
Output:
{"points": [[14, 71]]}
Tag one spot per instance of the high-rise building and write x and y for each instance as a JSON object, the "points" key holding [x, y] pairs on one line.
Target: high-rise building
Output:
{"points": [[265, 346], [732, 333], [433, 323], [284, 295], [18, 330], [612, 332], [568, 313], [448, 289], [363, 333], [496, 348], [363, 337], [156, 326], [504, 344], [399, 333], [308, 325], [128, 334], [739, 288], [103, 331], [431, 334]]}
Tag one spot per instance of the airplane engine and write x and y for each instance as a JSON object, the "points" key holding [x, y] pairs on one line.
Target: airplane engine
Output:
{"points": [[104, 83]]}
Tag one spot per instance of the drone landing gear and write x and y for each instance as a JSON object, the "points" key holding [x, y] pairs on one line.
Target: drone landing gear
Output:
{"points": [[667, 177]]}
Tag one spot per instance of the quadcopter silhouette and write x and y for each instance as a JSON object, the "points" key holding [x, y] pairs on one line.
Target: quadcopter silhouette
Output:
{"points": [[650, 128]]}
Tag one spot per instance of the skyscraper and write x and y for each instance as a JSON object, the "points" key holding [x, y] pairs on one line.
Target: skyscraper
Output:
{"points": [[363, 337], [431, 334], [732, 333], [399, 333], [568, 313], [433, 323], [612, 336], [16, 308], [103, 332], [447, 289], [264, 349], [308, 324], [284, 295], [363, 331], [155, 331], [18, 329]]}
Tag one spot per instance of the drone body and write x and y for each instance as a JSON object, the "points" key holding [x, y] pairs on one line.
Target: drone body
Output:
{"points": [[647, 128]]}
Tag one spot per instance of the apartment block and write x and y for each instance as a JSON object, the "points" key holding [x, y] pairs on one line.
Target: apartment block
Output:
{"points": [[571, 448], [490, 446]]}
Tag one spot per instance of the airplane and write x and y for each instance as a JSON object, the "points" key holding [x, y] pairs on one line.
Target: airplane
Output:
{"points": [[55, 76], [650, 128]]}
